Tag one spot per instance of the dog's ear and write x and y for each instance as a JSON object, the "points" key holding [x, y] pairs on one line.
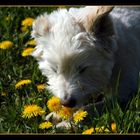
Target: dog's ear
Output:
{"points": [[96, 20], [40, 26]]}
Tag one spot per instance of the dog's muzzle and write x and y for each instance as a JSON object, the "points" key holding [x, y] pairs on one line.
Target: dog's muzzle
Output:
{"points": [[70, 102]]}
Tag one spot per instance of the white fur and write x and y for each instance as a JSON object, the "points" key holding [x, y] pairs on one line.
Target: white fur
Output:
{"points": [[62, 43]]}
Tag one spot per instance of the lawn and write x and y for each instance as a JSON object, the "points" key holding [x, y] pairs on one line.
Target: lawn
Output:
{"points": [[23, 98]]}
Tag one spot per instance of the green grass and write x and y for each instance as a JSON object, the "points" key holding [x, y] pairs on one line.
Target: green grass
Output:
{"points": [[14, 67]]}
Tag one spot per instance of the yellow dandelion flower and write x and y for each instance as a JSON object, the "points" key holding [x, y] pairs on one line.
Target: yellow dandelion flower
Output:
{"points": [[27, 52], [106, 130], [45, 125], [22, 82], [27, 22], [31, 42], [79, 116], [113, 127], [88, 131], [65, 113], [32, 111], [40, 87], [24, 29], [54, 104], [6, 44], [101, 129]]}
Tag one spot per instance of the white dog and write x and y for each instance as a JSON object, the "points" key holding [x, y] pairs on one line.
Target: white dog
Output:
{"points": [[82, 50]]}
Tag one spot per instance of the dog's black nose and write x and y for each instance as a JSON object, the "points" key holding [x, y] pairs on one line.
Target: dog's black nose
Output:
{"points": [[68, 102]]}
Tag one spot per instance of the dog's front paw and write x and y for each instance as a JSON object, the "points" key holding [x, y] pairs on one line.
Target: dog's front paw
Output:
{"points": [[54, 118], [64, 125], [67, 125], [57, 120]]}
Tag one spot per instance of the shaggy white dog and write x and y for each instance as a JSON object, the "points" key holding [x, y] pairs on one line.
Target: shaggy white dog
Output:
{"points": [[82, 50]]}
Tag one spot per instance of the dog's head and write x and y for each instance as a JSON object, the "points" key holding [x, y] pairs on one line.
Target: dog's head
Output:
{"points": [[75, 51]]}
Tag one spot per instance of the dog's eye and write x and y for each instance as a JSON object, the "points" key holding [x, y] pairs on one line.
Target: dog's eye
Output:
{"points": [[82, 69]]}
